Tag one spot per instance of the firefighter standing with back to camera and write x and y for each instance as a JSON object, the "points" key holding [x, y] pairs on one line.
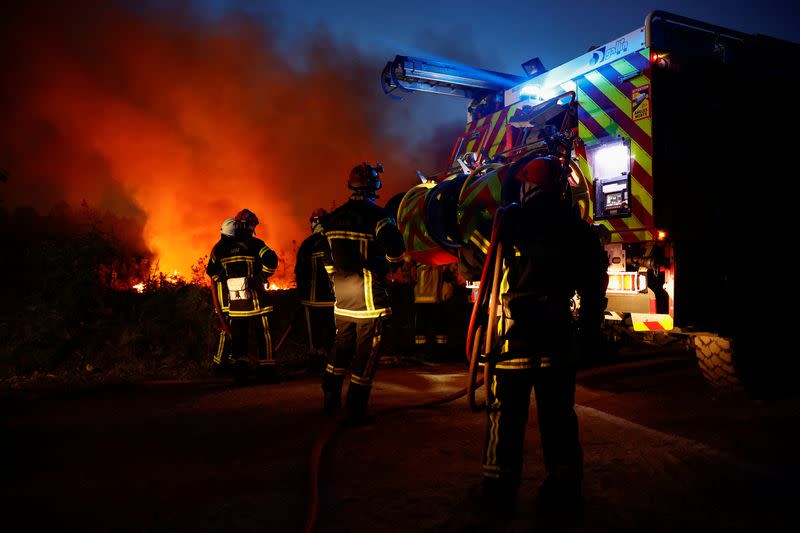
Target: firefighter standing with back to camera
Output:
{"points": [[548, 254], [315, 289], [364, 241], [244, 264]]}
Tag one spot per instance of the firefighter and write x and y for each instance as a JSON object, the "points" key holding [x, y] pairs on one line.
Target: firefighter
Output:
{"points": [[315, 289], [364, 242], [219, 293], [244, 264], [432, 287], [548, 254]]}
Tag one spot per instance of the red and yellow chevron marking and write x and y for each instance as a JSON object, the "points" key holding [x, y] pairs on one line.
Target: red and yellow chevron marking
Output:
{"points": [[604, 110], [651, 322], [479, 199], [492, 132], [410, 219]]}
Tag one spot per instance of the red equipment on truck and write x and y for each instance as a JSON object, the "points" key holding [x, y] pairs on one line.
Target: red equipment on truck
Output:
{"points": [[675, 137]]}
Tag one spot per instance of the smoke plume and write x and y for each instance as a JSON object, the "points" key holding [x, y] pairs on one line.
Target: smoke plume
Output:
{"points": [[178, 122]]}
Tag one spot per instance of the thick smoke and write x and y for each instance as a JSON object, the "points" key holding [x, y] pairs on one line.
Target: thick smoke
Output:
{"points": [[177, 122]]}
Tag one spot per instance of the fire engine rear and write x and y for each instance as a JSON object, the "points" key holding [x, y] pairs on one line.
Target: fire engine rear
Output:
{"points": [[678, 137]]}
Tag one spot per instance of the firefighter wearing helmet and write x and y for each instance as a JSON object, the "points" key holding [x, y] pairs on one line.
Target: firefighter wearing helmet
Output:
{"points": [[548, 253], [243, 264], [315, 289], [365, 244]]}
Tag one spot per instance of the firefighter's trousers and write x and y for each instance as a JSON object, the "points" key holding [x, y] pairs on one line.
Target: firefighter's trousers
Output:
{"points": [[241, 327], [321, 328], [507, 416], [356, 348], [430, 328], [222, 355]]}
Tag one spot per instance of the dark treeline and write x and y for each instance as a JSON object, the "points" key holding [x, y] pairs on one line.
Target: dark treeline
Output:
{"points": [[71, 310]]}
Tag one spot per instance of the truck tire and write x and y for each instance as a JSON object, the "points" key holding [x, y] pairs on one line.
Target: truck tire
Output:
{"points": [[717, 361]]}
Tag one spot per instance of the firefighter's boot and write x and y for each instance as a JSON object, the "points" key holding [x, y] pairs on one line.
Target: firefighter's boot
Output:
{"points": [[356, 404], [560, 500], [267, 373], [332, 392], [241, 371], [500, 497]]}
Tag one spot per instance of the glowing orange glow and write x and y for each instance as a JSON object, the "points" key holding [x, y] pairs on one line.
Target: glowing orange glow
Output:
{"points": [[139, 287], [662, 235], [178, 122]]}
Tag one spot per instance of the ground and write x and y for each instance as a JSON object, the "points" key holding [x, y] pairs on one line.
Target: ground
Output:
{"points": [[662, 453]]}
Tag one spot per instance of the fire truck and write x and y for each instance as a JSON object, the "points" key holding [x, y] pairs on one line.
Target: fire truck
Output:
{"points": [[678, 138]]}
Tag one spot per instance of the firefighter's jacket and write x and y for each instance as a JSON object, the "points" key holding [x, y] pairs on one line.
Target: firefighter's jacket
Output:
{"points": [[363, 240], [241, 266], [433, 284], [314, 286], [549, 253], [428, 285]]}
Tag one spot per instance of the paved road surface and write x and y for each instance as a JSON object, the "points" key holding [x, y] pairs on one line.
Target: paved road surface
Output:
{"points": [[662, 454]]}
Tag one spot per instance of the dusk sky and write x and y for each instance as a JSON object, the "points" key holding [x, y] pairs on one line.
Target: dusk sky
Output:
{"points": [[495, 35], [503, 34]]}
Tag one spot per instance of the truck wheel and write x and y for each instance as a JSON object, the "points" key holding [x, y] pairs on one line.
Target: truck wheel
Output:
{"points": [[717, 361]]}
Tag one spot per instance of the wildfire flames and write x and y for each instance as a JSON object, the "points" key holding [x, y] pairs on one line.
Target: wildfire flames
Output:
{"points": [[177, 122]]}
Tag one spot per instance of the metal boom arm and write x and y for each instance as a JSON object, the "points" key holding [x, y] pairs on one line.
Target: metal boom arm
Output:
{"points": [[414, 74]]}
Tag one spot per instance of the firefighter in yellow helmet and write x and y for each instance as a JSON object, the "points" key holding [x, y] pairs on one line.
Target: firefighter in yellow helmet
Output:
{"points": [[364, 242], [315, 290], [548, 253], [219, 293], [244, 264]]}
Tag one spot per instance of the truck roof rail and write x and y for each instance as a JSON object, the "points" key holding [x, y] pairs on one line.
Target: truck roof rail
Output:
{"points": [[688, 22], [415, 74]]}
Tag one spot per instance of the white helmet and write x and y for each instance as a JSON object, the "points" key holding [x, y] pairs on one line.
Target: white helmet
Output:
{"points": [[229, 227]]}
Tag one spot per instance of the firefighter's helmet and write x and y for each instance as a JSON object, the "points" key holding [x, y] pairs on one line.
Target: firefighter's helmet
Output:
{"points": [[316, 214], [229, 227], [542, 174], [315, 219], [247, 220], [364, 178]]}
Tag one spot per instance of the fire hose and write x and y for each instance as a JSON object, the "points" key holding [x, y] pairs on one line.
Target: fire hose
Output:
{"points": [[335, 426], [288, 330], [223, 323], [493, 259]]}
